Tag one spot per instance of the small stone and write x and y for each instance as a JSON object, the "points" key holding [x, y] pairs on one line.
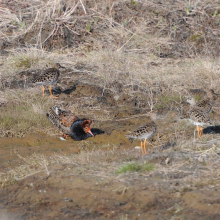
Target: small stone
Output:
{"points": [[177, 194], [167, 161], [201, 159], [137, 147], [121, 203], [116, 97]]}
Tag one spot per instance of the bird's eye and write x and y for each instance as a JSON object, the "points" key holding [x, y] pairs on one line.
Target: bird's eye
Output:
{"points": [[86, 128]]}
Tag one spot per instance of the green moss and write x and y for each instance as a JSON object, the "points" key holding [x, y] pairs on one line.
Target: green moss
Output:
{"points": [[166, 100], [198, 97], [134, 2], [135, 167], [195, 37], [23, 62]]}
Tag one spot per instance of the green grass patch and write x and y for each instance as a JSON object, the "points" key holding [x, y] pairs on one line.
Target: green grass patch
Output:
{"points": [[166, 100], [198, 98], [195, 37], [23, 62], [123, 217], [135, 167]]}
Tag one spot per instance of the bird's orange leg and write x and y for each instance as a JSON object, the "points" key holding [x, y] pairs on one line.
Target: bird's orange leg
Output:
{"points": [[142, 147], [198, 131], [51, 94], [145, 151], [64, 135], [43, 91]]}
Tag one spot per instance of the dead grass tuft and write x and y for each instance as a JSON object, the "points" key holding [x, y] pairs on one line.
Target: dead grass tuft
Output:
{"points": [[25, 114], [25, 59], [30, 166]]}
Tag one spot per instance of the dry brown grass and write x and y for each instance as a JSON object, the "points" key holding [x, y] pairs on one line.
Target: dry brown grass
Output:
{"points": [[163, 86], [23, 59], [162, 28], [135, 43], [24, 113]]}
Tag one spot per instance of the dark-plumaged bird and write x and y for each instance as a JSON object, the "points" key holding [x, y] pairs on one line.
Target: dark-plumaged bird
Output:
{"points": [[71, 125]]}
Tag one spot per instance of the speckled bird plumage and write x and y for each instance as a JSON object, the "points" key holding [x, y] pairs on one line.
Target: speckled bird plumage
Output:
{"points": [[49, 76], [208, 98], [198, 116], [145, 132], [61, 119], [207, 103]]}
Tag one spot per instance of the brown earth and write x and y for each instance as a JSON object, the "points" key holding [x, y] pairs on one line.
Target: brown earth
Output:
{"points": [[65, 195]]}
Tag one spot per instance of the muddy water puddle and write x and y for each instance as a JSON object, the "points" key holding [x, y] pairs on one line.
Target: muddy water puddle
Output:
{"points": [[37, 143], [48, 145]]}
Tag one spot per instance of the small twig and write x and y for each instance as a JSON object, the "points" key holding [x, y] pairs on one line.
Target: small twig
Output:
{"points": [[18, 179], [83, 7], [135, 116], [69, 12], [125, 42], [72, 30], [45, 165], [151, 104], [49, 35]]}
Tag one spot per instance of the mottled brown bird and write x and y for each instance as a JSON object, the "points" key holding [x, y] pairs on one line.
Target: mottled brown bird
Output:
{"points": [[207, 103], [198, 116], [145, 132], [48, 77]]}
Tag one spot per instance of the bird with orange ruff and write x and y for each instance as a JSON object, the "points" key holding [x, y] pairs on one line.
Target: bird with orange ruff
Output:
{"points": [[69, 124]]}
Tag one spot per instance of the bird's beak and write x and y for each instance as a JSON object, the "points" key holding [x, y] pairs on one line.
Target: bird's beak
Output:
{"points": [[62, 67], [90, 133]]}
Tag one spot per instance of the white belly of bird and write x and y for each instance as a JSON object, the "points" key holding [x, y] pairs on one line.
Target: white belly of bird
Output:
{"points": [[146, 136], [198, 123]]}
